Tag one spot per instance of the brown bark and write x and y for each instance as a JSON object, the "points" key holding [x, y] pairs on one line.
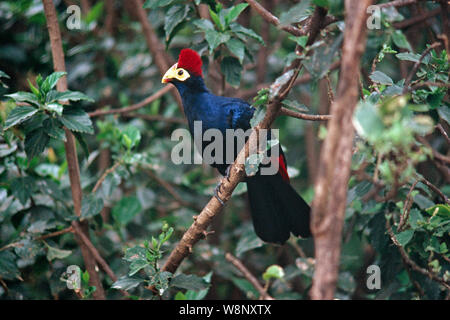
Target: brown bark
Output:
{"points": [[328, 207], [71, 152]]}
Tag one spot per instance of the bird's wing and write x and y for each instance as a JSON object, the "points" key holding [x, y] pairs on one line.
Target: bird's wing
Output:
{"points": [[238, 113]]}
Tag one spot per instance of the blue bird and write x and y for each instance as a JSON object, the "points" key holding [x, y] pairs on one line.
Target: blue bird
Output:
{"points": [[276, 208]]}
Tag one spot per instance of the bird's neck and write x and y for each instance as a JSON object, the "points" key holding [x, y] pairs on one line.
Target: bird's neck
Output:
{"points": [[191, 88]]}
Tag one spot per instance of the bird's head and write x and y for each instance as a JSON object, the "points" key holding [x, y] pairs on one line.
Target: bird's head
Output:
{"points": [[189, 64]]}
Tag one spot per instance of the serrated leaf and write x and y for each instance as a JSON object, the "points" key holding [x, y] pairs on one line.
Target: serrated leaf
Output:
{"points": [[23, 96], [54, 107], [231, 69], [131, 136], [381, 78], [35, 142], [51, 81], [19, 115], [189, 282], [76, 119], [91, 206], [174, 17], [54, 129], [67, 95]]}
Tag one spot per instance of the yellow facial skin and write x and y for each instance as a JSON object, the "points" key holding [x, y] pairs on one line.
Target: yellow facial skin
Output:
{"points": [[175, 73]]}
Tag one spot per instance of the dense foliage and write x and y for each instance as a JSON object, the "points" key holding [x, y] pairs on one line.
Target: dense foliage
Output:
{"points": [[139, 203]]}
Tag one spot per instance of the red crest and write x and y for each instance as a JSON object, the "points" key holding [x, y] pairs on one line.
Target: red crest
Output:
{"points": [[191, 61]]}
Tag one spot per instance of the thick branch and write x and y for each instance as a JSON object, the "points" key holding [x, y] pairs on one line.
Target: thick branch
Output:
{"points": [[328, 207]]}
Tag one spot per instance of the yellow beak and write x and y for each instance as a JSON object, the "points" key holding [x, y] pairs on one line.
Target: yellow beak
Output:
{"points": [[170, 74], [175, 73]]}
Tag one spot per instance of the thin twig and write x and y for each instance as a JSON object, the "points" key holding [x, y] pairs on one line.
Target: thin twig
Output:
{"points": [[417, 64], [105, 174], [407, 260], [443, 132], [435, 189], [407, 208], [133, 107], [263, 295], [313, 117]]}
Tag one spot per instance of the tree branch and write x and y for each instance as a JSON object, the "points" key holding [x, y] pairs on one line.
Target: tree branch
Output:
{"points": [[328, 208], [71, 152], [263, 295]]}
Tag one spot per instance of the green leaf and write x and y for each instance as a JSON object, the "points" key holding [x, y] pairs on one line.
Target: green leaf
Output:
{"points": [[408, 56], [131, 136], [237, 48], [8, 266], [54, 129], [204, 24], [35, 142], [273, 272], [22, 96], [95, 13], [442, 210], [51, 81], [234, 12], [54, 107], [444, 113], [231, 69], [76, 119], [199, 295], [22, 188], [252, 164], [367, 121], [215, 18], [405, 236], [126, 283], [400, 40], [248, 241], [322, 3], [19, 115], [295, 14], [174, 17], [67, 95], [126, 209], [55, 253], [152, 4], [137, 265], [381, 78], [215, 38], [243, 33], [91, 206], [301, 41], [190, 282]]}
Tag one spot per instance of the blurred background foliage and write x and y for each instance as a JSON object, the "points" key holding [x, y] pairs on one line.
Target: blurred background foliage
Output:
{"points": [[146, 202]]}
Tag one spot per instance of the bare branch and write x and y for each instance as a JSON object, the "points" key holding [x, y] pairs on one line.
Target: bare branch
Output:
{"points": [[263, 295]]}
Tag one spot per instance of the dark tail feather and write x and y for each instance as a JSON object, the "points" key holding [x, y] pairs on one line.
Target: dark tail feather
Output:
{"points": [[277, 209]]}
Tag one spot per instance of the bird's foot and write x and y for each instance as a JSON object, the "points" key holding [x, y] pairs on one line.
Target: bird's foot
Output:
{"points": [[218, 190], [227, 172]]}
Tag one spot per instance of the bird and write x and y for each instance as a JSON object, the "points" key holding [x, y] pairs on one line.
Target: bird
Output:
{"points": [[277, 210]]}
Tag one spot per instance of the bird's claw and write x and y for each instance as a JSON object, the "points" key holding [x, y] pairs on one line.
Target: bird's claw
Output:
{"points": [[216, 193]]}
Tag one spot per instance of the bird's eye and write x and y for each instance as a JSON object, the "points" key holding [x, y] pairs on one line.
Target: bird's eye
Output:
{"points": [[180, 73]]}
